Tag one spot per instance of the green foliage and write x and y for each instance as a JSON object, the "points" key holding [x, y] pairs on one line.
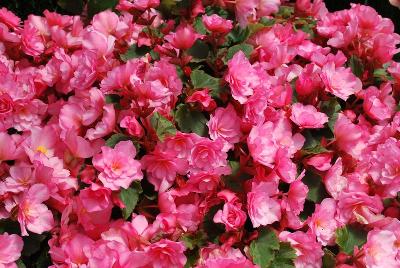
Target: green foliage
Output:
{"points": [[312, 145], [267, 252], [331, 108], [96, 6], [356, 65], [114, 139], [135, 52], [74, 7], [199, 51], [329, 259], [349, 236], [192, 241], [201, 79], [162, 126], [246, 48], [191, 121], [130, 198], [316, 188]]}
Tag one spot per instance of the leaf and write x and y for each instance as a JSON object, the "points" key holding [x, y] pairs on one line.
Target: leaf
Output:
{"points": [[194, 240], [32, 243], [135, 52], [238, 35], [200, 79], [130, 198], [356, 65], [162, 126], [199, 26], [246, 48], [349, 236], [312, 144], [381, 75], [284, 257], [331, 108], [316, 189], [96, 6], [263, 248], [199, 51], [20, 264], [329, 259], [74, 7], [217, 10], [114, 139], [191, 121]]}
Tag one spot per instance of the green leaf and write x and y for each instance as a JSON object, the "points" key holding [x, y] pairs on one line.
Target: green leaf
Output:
{"points": [[263, 248], [191, 121], [96, 6], [312, 145], [217, 10], [20, 264], [356, 65], [200, 79], [74, 7], [316, 189], [349, 236], [284, 257], [329, 259], [238, 35], [130, 198], [285, 11], [381, 75], [194, 240], [114, 139], [199, 51], [331, 108], [246, 48], [162, 126], [199, 26], [135, 52]]}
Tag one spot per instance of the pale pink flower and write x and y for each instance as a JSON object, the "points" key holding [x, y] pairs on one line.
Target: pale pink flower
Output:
{"points": [[184, 37], [307, 116], [225, 124], [32, 214], [105, 126], [99, 43], [395, 3], [208, 155], [340, 81], [334, 182], [381, 249], [118, 167], [10, 251], [162, 168], [262, 207], [166, 253], [242, 86], [217, 24], [21, 178], [180, 144], [213, 256], [323, 223], [379, 104], [308, 250], [245, 11], [267, 7], [266, 139]]}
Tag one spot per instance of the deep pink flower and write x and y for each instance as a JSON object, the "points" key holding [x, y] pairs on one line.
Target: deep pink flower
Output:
{"points": [[118, 167], [214, 256], [242, 86], [217, 24], [231, 215], [340, 81], [263, 209], [203, 97], [307, 116], [132, 125], [225, 124], [379, 104], [32, 214], [320, 161], [10, 251], [184, 37], [166, 253]]}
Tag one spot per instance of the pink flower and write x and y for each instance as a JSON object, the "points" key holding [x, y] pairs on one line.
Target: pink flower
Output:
{"points": [[307, 116], [308, 250], [379, 104], [99, 43], [321, 162], [214, 256], [242, 86], [180, 145], [32, 42], [266, 139], [32, 214], [395, 3], [132, 125], [225, 124], [231, 215], [10, 250], [263, 209], [21, 178], [162, 167], [340, 81], [118, 167], [217, 24], [105, 125], [184, 37], [267, 7], [381, 249], [334, 182], [202, 97], [9, 18], [323, 223], [245, 11], [7, 147], [208, 155], [166, 253]]}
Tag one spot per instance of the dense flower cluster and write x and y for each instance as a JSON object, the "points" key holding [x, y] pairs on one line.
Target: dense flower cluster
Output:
{"points": [[247, 133]]}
